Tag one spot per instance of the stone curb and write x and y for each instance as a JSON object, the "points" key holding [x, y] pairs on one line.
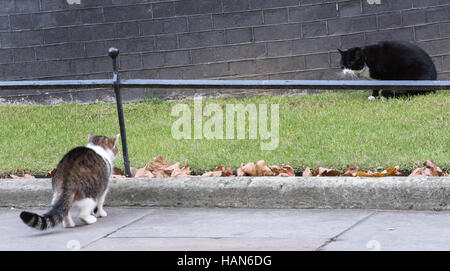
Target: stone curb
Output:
{"points": [[400, 193]]}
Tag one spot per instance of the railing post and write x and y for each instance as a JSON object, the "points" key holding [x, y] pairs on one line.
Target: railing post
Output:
{"points": [[114, 53]]}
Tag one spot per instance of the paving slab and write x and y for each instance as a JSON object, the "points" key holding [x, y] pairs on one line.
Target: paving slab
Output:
{"points": [[399, 230], [207, 244], [242, 223], [15, 235]]}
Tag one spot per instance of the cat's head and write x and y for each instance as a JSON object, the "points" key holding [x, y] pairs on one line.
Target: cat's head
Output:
{"points": [[107, 143], [352, 60]]}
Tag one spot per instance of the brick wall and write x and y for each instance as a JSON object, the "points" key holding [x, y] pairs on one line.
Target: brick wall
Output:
{"points": [[216, 39]]}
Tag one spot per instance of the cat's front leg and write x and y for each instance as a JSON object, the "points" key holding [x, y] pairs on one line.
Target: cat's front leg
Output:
{"points": [[375, 94]]}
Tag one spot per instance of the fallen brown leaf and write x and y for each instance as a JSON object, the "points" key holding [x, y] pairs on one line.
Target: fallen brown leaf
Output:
{"points": [[350, 171], [212, 174], [226, 171], [249, 169], [275, 169], [262, 169], [326, 172], [51, 173], [287, 169], [307, 172]]}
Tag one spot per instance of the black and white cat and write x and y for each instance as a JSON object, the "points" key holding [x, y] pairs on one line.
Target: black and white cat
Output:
{"points": [[389, 60], [80, 181]]}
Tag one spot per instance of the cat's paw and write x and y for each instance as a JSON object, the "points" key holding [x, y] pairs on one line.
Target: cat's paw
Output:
{"points": [[101, 213], [68, 224], [372, 98], [89, 219]]}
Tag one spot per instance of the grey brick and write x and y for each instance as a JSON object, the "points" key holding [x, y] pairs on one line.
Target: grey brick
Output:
{"points": [[215, 70], [386, 5], [316, 45], [350, 8], [175, 25], [335, 60], [438, 14], [24, 54], [406, 34], [200, 22], [92, 15], [436, 47], [412, 17], [283, 64], [131, 62], [92, 32], [277, 32], [236, 52], [60, 51], [311, 13], [428, 3], [274, 16], [235, 5], [176, 58], [56, 35], [445, 29], [127, 29], [96, 48], [62, 67], [153, 60], [427, 32], [20, 39], [60, 18], [7, 7], [20, 22], [280, 48], [93, 65], [352, 24], [388, 20], [6, 56], [446, 63], [239, 35], [23, 6], [163, 9], [167, 42], [241, 19], [191, 7], [127, 13], [354, 40], [201, 39], [314, 29], [171, 73], [151, 28], [259, 4], [317, 61], [203, 55], [4, 23], [243, 67]]}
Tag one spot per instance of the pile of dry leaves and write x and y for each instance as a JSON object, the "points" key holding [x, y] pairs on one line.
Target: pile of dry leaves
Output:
{"points": [[160, 168]]}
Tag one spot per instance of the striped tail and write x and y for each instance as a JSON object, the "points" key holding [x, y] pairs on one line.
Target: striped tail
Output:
{"points": [[51, 218]]}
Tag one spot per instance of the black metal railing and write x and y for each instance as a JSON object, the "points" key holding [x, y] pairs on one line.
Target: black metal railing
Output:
{"points": [[116, 83]]}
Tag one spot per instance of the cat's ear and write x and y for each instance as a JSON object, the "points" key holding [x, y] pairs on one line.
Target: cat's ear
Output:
{"points": [[90, 137], [340, 51]]}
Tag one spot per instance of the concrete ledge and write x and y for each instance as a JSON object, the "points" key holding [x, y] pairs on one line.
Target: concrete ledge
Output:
{"points": [[423, 193]]}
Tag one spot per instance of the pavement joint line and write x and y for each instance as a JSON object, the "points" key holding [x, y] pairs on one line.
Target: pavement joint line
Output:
{"points": [[118, 229], [333, 239]]}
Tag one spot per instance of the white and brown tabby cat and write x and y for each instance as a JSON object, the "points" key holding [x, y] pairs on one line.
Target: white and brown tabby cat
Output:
{"points": [[80, 181]]}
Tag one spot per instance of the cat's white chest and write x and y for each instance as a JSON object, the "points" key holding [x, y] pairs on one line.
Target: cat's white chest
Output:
{"points": [[365, 72]]}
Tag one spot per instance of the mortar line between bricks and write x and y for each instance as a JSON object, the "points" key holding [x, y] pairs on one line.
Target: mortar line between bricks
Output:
{"points": [[333, 239], [118, 229]]}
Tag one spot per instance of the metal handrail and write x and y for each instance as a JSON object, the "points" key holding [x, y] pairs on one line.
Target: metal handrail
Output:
{"points": [[117, 84]]}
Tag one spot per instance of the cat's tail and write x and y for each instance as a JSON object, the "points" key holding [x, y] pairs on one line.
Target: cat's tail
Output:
{"points": [[52, 218]]}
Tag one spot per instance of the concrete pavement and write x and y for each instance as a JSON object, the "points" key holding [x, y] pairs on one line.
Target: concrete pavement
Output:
{"points": [[193, 229]]}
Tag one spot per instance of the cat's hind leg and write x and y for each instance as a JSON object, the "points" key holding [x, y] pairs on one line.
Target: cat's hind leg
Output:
{"points": [[100, 211], [86, 207], [68, 222]]}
